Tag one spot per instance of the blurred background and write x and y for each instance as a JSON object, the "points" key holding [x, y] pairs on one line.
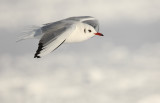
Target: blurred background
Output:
{"points": [[121, 67]]}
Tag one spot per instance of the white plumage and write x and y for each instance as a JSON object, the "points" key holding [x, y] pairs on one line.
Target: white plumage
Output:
{"points": [[73, 29]]}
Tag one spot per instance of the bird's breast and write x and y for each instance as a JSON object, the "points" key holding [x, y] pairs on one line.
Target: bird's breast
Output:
{"points": [[77, 35]]}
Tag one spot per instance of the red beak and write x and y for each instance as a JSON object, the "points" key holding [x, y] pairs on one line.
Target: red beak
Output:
{"points": [[100, 34]]}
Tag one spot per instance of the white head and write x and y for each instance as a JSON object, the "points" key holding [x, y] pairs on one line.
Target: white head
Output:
{"points": [[83, 32], [89, 31]]}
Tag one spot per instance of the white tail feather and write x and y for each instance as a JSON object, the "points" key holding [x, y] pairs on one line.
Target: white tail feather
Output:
{"points": [[31, 32]]}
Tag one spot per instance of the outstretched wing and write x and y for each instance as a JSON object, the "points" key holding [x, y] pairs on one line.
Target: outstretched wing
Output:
{"points": [[88, 20], [54, 35]]}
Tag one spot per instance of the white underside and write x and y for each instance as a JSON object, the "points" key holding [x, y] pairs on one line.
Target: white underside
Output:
{"points": [[78, 34]]}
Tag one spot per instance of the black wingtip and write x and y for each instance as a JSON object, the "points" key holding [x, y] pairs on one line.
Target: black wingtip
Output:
{"points": [[40, 47], [35, 56]]}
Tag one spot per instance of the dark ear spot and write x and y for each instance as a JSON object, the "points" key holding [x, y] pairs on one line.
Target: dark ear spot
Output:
{"points": [[84, 30], [89, 30]]}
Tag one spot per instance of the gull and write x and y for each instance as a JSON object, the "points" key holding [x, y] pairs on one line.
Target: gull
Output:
{"points": [[69, 30]]}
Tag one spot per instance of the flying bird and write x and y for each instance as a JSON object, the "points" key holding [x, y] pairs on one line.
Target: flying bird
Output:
{"points": [[73, 29]]}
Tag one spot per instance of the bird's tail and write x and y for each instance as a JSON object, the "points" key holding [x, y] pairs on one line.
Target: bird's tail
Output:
{"points": [[31, 32]]}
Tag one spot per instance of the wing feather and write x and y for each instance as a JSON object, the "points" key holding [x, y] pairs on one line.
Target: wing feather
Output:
{"points": [[88, 20], [54, 36]]}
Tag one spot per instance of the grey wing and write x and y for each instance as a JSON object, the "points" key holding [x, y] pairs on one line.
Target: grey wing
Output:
{"points": [[54, 35], [93, 23], [88, 20], [79, 18]]}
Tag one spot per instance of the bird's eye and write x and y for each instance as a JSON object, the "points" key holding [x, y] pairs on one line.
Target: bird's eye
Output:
{"points": [[89, 30], [85, 30]]}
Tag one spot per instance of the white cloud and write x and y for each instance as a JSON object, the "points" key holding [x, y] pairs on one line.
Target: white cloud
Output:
{"points": [[39, 11], [115, 74], [151, 99]]}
